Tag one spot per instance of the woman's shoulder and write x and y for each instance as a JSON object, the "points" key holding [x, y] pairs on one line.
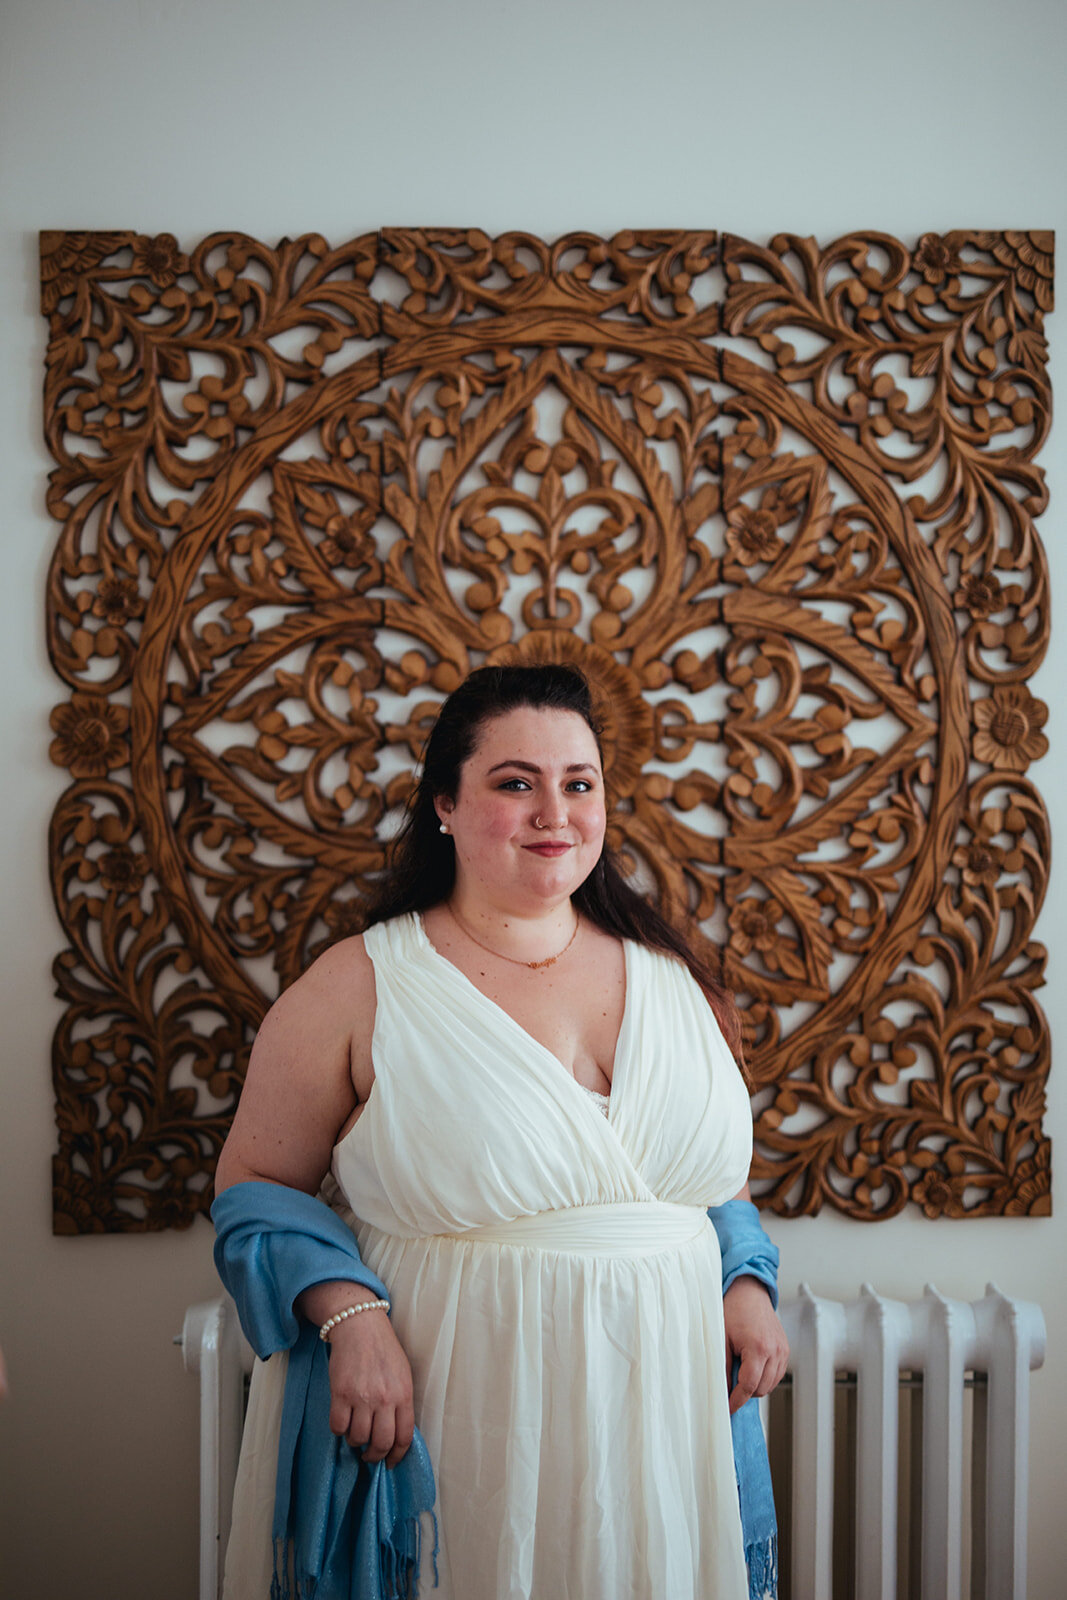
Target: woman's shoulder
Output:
{"points": [[337, 987], [347, 958], [351, 960]]}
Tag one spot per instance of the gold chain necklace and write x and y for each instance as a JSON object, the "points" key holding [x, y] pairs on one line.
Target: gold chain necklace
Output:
{"points": [[535, 966]]}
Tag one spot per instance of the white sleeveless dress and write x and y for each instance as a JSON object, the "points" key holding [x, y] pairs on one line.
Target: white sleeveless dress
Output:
{"points": [[555, 1283]]}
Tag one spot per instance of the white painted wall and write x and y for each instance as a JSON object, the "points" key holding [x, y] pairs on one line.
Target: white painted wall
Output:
{"points": [[338, 115]]}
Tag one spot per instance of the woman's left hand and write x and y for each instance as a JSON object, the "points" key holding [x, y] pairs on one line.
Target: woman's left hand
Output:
{"points": [[756, 1338]]}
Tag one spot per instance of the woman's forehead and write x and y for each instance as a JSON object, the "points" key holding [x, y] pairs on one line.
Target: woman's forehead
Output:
{"points": [[535, 734]]}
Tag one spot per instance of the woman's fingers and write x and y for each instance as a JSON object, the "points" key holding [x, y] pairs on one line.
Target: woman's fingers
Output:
{"points": [[744, 1386], [405, 1432], [754, 1377], [340, 1415], [759, 1374], [383, 1433], [360, 1421]]}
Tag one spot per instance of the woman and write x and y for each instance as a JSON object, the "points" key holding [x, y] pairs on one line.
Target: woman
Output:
{"points": [[518, 1081]]}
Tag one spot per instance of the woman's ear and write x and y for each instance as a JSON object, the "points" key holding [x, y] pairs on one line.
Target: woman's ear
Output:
{"points": [[444, 805]]}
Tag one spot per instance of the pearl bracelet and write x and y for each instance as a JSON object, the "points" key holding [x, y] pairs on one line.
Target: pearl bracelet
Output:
{"points": [[351, 1311]]}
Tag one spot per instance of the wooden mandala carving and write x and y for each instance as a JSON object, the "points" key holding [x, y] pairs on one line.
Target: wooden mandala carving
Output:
{"points": [[777, 501]]}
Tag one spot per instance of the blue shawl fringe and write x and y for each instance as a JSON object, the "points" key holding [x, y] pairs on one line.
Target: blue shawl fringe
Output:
{"points": [[762, 1563]]}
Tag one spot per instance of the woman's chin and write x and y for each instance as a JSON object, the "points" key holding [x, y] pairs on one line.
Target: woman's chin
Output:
{"points": [[555, 876]]}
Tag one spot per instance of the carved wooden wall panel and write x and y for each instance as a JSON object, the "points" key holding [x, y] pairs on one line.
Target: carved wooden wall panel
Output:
{"points": [[778, 501]]}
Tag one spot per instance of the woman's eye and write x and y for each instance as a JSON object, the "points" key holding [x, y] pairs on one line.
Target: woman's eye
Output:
{"points": [[515, 784], [580, 786]]}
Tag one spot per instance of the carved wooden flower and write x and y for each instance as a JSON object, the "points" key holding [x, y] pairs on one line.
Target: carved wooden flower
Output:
{"points": [[347, 543], [754, 926], [117, 601], [89, 735], [123, 871], [1007, 727], [980, 862], [937, 1196], [982, 859], [936, 258], [981, 594], [752, 534], [159, 258]]}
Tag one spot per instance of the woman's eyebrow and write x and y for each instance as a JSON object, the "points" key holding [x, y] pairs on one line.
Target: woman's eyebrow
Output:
{"points": [[529, 766]]}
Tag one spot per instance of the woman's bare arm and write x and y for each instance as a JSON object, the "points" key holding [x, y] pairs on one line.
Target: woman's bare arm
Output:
{"points": [[300, 1089], [310, 1066]]}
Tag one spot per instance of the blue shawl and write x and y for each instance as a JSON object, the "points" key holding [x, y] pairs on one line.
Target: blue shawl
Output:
{"points": [[344, 1529], [747, 1252]]}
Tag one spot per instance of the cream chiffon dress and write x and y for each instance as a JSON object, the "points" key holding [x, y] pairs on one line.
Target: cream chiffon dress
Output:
{"points": [[555, 1283]]}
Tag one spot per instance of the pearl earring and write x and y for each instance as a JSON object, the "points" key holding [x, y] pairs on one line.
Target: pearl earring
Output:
{"points": [[443, 828]]}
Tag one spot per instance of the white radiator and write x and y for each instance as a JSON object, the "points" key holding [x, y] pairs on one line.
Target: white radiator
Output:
{"points": [[943, 1344], [941, 1341]]}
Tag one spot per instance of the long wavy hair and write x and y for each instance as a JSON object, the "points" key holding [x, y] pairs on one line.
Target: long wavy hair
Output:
{"points": [[421, 871]]}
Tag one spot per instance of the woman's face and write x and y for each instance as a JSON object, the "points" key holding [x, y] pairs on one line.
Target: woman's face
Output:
{"points": [[528, 820]]}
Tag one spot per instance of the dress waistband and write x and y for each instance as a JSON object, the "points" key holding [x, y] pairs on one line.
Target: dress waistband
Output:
{"points": [[622, 1228]]}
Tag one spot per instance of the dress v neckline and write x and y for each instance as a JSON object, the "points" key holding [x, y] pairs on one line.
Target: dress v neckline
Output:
{"points": [[624, 1026]]}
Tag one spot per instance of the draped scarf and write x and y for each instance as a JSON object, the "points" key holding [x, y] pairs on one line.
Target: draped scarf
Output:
{"points": [[343, 1528]]}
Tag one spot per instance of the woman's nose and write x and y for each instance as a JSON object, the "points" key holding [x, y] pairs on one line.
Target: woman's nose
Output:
{"points": [[552, 812]]}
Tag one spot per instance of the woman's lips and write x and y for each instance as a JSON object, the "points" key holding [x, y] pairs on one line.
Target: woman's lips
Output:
{"points": [[548, 849]]}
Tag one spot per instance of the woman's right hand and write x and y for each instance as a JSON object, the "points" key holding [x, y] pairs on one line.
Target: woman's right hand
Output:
{"points": [[370, 1387]]}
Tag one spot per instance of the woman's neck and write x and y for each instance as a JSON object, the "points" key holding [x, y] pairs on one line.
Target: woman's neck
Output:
{"points": [[529, 937]]}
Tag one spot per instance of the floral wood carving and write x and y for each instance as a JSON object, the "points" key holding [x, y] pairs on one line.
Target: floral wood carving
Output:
{"points": [[777, 501]]}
